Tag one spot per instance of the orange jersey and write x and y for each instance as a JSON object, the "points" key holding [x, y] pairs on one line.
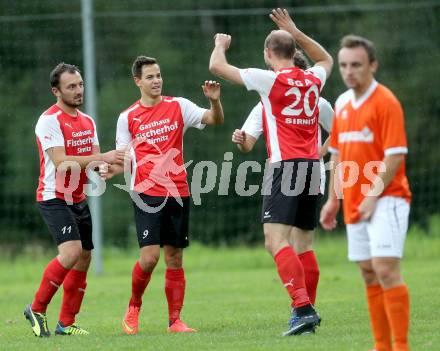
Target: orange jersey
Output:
{"points": [[366, 130]]}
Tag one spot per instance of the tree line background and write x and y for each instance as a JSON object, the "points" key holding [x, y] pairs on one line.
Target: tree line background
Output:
{"points": [[36, 35]]}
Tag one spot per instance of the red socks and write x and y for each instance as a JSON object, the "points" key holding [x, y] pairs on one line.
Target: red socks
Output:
{"points": [[291, 273], [53, 277], [174, 289], [311, 273], [139, 282], [74, 289], [175, 292]]}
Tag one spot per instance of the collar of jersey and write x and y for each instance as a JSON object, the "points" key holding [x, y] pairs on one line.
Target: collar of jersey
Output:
{"points": [[61, 111], [150, 107], [357, 103]]}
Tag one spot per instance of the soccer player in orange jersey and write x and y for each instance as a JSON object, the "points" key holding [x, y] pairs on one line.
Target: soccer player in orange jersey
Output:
{"points": [[368, 145]]}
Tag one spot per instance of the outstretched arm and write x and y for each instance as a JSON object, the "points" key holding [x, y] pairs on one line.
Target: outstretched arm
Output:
{"points": [[312, 48], [58, 155], [218, 65], [214, 115]]}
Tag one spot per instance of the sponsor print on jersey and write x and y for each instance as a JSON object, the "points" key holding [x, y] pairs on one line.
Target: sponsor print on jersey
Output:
{"points": [[363, 136], [155, 136], [156, 131], [80, 142]]}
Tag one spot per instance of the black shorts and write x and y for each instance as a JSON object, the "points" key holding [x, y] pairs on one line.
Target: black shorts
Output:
{"points": [[291, 195], [68, 222], [167, 226]]}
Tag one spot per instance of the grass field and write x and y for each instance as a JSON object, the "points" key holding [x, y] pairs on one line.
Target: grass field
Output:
{"points": [[234, 298]]}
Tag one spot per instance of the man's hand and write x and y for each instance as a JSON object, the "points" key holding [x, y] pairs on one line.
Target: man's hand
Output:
{"points": [[239, 137], [107, 171], [367, 207], [328, 214], [104, 171], [113, 156], [222, 40], [283, 20], [211, 89]]}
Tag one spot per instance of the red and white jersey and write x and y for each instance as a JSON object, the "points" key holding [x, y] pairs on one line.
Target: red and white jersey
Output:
{"points": [[254, 127], [77, 134], [155, 136], [290, 99]]}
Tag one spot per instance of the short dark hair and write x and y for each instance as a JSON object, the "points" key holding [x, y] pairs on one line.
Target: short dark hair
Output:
{"points": [[352, 41], [136, 68], [56, 73], [282, 45], [300, 60]]}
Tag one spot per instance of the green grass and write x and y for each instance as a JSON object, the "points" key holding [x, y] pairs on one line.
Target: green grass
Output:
{"points": [[234, 298]]}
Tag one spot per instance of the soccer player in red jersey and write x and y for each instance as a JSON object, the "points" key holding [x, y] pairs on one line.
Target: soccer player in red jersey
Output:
{"points": [[300, 239], [290, 98], [152, 130], [68, 145], [368, 146]]}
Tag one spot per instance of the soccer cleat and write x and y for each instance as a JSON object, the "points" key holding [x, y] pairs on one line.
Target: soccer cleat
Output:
{"points": [[130, 324], [303, 325], [38, 322], [179, 327], [318, 324], [69, 330]]}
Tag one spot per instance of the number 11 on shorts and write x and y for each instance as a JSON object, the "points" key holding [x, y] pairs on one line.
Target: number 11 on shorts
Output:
{"points": [[66, 228]]}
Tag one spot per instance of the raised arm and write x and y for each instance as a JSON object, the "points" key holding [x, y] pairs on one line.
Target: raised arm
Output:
{"points": [[214, 115], [218, 65], [312, 48]]}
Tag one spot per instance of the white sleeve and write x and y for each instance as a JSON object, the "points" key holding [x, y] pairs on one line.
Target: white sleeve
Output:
{"points": [[95, 136], [191, 113], [49, 132], [254, 122], [258, 79], [320, 73], [325, 117], [123, 135]]}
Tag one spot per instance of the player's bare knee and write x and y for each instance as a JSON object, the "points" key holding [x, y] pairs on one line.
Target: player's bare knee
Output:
{"points": [[174, 263], [368, 273], [148, 262], [84, 260], [274, 243], [86, 255], [369, 277], [69, 258], [388, 277], [268, 242], [301, 247], [174, 259]]}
